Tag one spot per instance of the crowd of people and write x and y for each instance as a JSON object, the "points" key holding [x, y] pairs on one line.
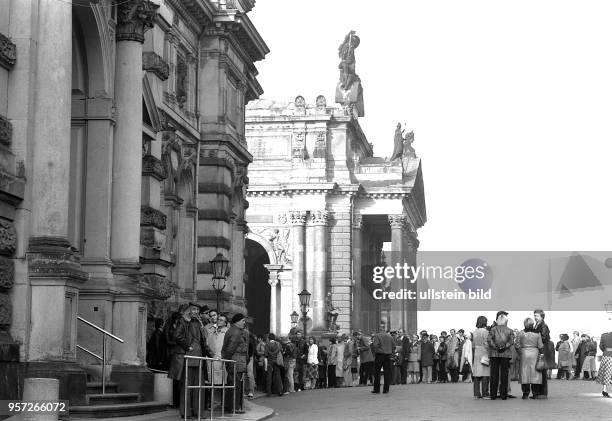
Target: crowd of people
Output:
{"points": [[491, 357]]}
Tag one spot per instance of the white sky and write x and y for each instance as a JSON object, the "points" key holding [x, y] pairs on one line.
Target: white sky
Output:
{"points": [[510, 102]]}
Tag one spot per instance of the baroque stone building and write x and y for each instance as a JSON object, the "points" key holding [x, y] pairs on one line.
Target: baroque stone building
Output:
{"points": [[321, 207], [123, 169]]}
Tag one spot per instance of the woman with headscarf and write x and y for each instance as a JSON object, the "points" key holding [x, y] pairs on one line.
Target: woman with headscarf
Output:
{"points": [[565, 358], [530, 346]]}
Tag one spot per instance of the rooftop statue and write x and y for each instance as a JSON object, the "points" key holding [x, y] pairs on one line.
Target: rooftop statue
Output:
{"points": [[398, 142], [349, 92]]}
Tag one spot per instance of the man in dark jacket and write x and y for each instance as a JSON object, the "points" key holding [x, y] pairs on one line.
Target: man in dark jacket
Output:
{"points": [[300, 361], [405, 352], [443, 357], [382, 346], [427, 354], [366, 369], [236, 347], [500, 339], [274, 382]]}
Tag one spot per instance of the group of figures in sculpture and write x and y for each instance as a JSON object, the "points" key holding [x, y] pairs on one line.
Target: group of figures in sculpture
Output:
{"points": [[402, 145]]}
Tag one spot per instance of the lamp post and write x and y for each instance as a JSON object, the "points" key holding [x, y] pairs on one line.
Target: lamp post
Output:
{"points": [[219, 268], [305, 306]]}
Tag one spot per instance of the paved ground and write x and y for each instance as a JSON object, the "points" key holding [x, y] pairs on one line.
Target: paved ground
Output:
{"points": [[576, 400]]}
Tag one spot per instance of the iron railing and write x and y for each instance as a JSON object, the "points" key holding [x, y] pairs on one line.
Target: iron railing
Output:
{"points": [[103, 357], [210, 385]]}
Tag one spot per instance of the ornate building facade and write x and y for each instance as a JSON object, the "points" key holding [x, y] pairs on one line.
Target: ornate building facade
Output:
{"points": [[123, 169], [321, 207]]}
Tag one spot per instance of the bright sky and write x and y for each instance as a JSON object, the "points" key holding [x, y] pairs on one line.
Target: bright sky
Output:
{"points": [[510, 102]]}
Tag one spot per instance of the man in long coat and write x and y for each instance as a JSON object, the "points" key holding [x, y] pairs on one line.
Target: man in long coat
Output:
{"points": [[236, 347]]}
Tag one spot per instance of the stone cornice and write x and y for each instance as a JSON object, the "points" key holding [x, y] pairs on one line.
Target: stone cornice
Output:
{"points": [[154, 63], [196, 13], [134, 17], [8, 52], [294, 189]]}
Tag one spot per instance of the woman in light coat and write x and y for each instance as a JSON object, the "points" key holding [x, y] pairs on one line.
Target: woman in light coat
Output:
{"points": [[215, 337], [530, 346], [311, 370], [566, 358], [466, 358], [414, 360], [480, 372]]}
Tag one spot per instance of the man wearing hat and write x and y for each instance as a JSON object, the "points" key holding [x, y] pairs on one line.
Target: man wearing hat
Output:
{"points": [[500, 340], [236, 347]]}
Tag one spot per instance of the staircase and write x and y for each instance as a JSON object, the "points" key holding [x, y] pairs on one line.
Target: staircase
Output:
{"points": [[113, 403]]}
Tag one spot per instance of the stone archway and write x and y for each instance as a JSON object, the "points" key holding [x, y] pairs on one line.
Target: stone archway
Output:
{"points": [[257, 289]]}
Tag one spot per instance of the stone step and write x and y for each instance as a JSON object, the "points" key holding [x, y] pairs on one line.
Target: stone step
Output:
{"points": [[116, 410], [96, 387], [112, 398]]}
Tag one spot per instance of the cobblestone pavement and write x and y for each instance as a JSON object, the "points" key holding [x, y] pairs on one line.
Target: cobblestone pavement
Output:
{"points": [[576, 400]]}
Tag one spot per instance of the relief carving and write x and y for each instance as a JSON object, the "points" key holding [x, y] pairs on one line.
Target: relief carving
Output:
{"points": [[8, 238], [152, 217], [6, 131], [279, 240], [8, 52], [152, 62], [7, 273]]}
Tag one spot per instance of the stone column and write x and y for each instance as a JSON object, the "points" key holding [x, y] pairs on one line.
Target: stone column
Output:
{"points": [[274, 316], [129, 316], [133, 19], [298, 219], [357, 287], [286, 304], [319, 272], [412, 245], [397, 223], [54, 271]]}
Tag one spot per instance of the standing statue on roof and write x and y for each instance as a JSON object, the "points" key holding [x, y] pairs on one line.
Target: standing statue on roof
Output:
{"points": [[346, 52], [398, 142]]}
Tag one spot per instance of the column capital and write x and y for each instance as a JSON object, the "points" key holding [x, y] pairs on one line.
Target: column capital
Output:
{"points": [[357, 221], [318, 217], [273, 281], [397, 221], [134, 17], [297, 217]]}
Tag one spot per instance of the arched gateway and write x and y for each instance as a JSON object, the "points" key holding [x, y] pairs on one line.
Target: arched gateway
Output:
{"points": [[322, 206]]}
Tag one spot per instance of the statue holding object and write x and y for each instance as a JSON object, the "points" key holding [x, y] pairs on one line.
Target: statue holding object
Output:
{"points": [[349, 92], [402, 145], [332, 313]]}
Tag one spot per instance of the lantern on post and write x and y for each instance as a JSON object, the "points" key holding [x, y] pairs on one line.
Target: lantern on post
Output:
{"points": [[219, 269], [305, 306]]}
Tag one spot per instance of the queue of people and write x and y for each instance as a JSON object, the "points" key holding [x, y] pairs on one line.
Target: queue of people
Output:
{"points": [[490, 357]]}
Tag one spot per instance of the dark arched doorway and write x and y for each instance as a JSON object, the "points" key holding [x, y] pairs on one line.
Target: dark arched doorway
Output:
{"points": [[257, 287]]}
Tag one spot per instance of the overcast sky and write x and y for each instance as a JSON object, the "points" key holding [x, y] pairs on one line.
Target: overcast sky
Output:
{"points": [[510, 102]]}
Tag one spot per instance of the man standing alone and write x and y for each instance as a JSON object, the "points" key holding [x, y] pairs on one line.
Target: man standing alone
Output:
{"points": [[382, 346], [500, 339]]}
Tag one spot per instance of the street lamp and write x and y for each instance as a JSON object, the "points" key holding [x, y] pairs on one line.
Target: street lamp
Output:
{"points": [[304, 304], [219, 269], [294, 318]]}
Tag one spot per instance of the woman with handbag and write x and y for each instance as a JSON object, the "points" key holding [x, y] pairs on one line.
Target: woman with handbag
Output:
{"points": [[480, 365], [530, 346], [466, 359], [549, 350]]}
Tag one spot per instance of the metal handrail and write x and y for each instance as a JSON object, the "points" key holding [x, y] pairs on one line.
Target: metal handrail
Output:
{"points": [[89, 352], [100, 329], [103, 357], [212, 386]]}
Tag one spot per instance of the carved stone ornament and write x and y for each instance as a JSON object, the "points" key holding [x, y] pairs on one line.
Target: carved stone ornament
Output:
{"points": [[152, 217], [153, 167], [162, 287], [5, 310], [8, 52], [321, 103], [134, 17], [299, 148], [319, 217], [154, 63], [279, 240], [397, 221], [7, 273], [8, 238], [6, 131], [297, 217], [300, 102], [320, 147]]}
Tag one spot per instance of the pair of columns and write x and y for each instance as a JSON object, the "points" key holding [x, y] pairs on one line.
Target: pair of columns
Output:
{"points": [[52, 338], [309, 271], [403, 250]]}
